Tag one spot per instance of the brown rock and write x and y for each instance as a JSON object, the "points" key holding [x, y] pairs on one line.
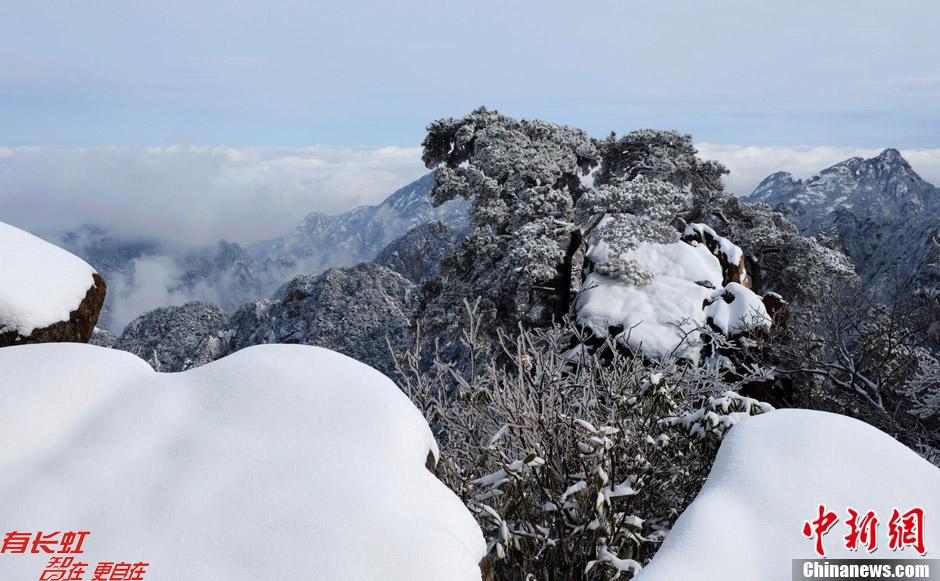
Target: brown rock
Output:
{"points": [[79, 327], [777, 308]]}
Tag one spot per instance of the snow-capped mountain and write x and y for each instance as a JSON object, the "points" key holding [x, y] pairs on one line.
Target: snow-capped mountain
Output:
{"points": [[321, 241], [883, 215], [147, 274]]}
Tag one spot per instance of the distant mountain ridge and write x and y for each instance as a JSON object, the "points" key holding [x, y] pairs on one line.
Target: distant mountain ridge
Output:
{"points": [[230, 275], [323, 241], [878, 211]]}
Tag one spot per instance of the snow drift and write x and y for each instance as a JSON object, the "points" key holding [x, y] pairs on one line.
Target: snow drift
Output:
{"points": [[278, 462], [771, 474]]}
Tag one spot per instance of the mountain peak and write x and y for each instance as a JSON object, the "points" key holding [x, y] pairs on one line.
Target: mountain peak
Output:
{"points": [[890, 154], [892, 160], [883, 187]]}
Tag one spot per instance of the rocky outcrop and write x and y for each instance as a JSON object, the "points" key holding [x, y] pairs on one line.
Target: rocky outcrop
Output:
{"points": [[355, 311], [418, 254], [77, 329], [177, 338]]}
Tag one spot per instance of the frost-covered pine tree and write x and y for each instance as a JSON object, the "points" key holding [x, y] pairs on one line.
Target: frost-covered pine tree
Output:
{"points": [[523, 179]]}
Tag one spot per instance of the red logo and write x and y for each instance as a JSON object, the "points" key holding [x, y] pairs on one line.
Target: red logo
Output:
{"points": [[904, 530], [69, 568]]}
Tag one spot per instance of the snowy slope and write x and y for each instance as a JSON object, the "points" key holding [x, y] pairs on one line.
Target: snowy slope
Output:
{"points": [[40, 284], [771, 473], [278, 462]]}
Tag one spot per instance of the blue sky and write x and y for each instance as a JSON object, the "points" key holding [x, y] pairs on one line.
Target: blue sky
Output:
{"points": [[839, 73]]}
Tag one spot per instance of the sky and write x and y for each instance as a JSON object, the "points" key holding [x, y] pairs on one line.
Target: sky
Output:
{"points": [[203, 119], [862, 73]]}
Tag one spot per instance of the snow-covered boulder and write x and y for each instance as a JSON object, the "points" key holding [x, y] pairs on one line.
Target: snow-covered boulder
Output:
{"points": [[731, 257], [660, 317], [735, 309], [657, 292], [46, 293], [771, 474], [277, 462]]}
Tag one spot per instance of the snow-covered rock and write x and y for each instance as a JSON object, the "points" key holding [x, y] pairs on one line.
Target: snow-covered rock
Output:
{"points": [[657, 295], [733, 265], [278, 462], [46, 293], [736, 309], [771, 474], [662, 316]]}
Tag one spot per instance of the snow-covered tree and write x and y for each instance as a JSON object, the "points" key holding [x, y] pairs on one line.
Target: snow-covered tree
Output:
{"points": [[523, 179], [668, 156]]}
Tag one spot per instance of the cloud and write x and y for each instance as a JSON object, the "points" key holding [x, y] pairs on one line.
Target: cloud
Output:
{"points": [[193, 194], [751, 164]]}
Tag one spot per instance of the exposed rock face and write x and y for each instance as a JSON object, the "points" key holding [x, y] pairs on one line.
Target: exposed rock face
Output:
{"points": [[177, 338], [878, 211], [350, 310], [77, 329], [418, 254]]}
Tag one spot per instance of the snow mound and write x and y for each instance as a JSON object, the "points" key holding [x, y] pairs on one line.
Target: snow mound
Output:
{"points": [[736, 308], [277, 462], [658, 315], [771, 474], [40, 284], [732, 252]]}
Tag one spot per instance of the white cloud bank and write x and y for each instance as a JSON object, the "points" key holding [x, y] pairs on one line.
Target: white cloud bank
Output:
{"points": [[199, 194], [193, 194]]}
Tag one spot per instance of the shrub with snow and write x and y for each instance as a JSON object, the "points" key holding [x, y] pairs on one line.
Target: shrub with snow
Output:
{"points": [[575, 464], [277, 462]]}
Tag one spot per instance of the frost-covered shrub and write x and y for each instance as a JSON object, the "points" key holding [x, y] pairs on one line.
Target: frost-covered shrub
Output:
{"points": [[575, 466], [850, 354]]}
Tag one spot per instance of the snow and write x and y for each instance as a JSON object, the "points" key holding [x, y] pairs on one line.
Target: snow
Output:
{"points": [[40, 284], [771, 474], [732, 253], [655, 316], [745, 311], [277, 462]]}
